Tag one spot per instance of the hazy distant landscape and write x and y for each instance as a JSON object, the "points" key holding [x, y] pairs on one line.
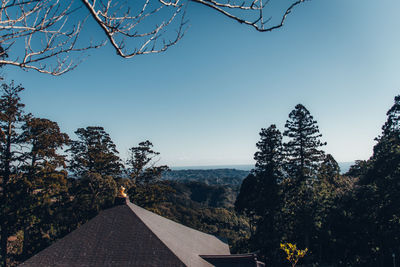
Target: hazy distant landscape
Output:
{"points": [[344, 167]]}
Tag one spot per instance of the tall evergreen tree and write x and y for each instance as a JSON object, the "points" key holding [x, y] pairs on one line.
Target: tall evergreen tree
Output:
{"points": [[257, 187], [259, 194], [302, 150], [11, 119], [94, 152], [269, 155], [303, 158]]}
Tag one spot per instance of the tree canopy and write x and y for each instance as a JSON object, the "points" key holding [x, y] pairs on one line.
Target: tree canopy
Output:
{"points": [[94, 152]]}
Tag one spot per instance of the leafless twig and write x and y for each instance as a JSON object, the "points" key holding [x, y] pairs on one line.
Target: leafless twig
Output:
{"points": [[259, 22], [41, 29], [118, 24], [43, 34]]}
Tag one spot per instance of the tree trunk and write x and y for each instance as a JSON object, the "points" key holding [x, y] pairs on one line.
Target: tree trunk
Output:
{"points": [[3, 242], [6, 177]]}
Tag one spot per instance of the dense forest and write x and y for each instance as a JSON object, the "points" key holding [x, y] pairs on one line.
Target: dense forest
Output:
{"points": [[212, 177], [296, 194], [50, 184]]}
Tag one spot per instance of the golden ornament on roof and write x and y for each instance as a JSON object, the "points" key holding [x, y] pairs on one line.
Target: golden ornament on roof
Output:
{"points": [[122, 192]]}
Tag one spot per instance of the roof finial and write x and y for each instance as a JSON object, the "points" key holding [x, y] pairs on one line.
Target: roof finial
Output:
{"points": [[122, 197], [122, 192]]}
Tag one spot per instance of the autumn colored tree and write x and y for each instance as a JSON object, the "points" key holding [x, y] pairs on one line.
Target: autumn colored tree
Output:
{"points": [[293, 254]]}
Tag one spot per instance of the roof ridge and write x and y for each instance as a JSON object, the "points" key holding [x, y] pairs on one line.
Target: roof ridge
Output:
{"points": [[177, 223], [185, 242]]}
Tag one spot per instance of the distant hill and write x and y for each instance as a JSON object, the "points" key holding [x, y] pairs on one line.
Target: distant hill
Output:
{"points": [[220, 176], [222, 196], [344, 167], [243, 167], [208, 208], [209, 177]]}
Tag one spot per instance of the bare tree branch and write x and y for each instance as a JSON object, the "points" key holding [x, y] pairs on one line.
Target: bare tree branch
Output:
{"points": [[120, 24], [44, 35], [41, 29], [256, 6]]}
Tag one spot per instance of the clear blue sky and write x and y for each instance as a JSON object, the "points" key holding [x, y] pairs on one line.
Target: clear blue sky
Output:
{"points": [[204, 101]]}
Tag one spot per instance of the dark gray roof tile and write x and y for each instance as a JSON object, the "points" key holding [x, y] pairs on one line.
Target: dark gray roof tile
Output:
{"points": [[128, 235]]}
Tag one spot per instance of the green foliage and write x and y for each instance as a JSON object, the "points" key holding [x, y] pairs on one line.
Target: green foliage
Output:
{"points": [[183, 205], [260, 196], [302, 161], [295, 193], [145, 188], [94, 152], [350, 220], [376, 208], [211, 177], [40, 204], [141, 168], [358, 169], [94, 192], [206, 195], [11, 118], [302, 152]]}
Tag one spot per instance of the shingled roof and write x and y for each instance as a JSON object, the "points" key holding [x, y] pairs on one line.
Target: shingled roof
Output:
{"points": [[127, 235]]}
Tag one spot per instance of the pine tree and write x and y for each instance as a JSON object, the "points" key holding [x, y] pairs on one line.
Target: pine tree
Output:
{"points": [[261, 185], [259, 194], [302, 160], [302, 150], [269, 155]]}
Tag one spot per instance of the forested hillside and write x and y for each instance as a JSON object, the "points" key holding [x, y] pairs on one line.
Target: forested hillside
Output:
{"points": [[211, 176], [295, 193]]}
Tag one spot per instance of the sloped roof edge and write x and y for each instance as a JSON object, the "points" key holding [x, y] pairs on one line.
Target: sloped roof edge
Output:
{"points": [[186, 243]]}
